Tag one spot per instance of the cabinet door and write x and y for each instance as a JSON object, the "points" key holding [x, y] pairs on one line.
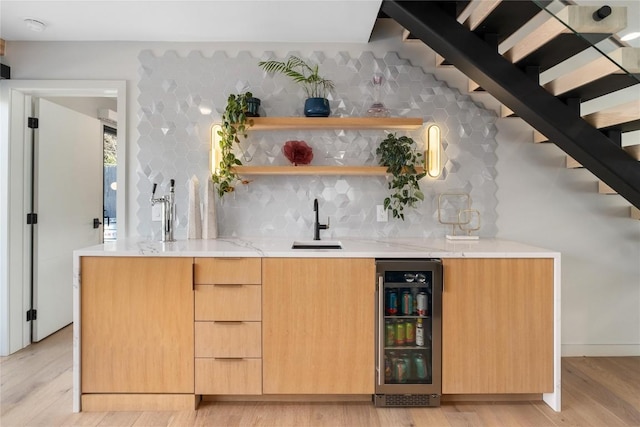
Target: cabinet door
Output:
{"points": [[497, 326], [137, 325], [318, 325]]}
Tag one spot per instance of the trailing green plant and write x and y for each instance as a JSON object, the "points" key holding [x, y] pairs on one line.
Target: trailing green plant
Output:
{"points": [[302, 73], [400, 157], [235, 123]]}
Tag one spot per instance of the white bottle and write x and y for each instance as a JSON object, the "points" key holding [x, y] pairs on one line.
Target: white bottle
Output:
{"points": [[419, 333]]}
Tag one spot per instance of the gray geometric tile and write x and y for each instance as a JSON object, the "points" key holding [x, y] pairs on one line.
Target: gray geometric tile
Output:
{"points": [[181, 97]]}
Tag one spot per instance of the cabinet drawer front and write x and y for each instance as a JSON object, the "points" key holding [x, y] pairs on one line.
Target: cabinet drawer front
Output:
{"points": [[228, 339], [224, 302], [228, 376], [239, 271]]}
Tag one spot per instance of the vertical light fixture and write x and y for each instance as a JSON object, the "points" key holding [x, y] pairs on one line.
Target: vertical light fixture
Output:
{"points": [[432, 154], [215, 147]]}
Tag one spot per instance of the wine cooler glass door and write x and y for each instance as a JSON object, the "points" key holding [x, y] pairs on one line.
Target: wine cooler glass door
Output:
{"points": [[408, 353]]}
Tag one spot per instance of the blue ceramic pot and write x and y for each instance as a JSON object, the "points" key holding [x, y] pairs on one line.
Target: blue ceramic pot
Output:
{"points": [[317, 107], [253, 104]]}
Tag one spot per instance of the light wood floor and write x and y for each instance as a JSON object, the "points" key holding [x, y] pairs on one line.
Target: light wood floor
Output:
{"points": [[598, 392]]}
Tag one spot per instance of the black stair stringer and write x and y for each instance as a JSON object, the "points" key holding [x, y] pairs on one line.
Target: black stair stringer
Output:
{"points": [[513, 88]]}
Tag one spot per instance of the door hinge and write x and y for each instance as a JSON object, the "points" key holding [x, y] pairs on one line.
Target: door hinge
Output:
{"points": [[32, 218], [32, 315], [32, 123]]}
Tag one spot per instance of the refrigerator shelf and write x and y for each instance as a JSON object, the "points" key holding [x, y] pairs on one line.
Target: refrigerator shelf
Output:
{"points": [[406, 347], [403, 316]]}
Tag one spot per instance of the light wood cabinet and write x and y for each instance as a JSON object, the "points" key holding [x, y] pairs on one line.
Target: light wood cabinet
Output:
{"points": [[228, 302], [228, 339], [228, 376], [228, 328], [136, 325], [318, 325], [497, 326], [227, 271]]}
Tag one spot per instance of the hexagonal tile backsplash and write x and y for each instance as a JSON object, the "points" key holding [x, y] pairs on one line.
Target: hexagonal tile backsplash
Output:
{"points": [[181, 97]]}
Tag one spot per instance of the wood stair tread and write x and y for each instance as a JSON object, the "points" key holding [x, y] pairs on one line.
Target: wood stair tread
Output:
{"points": [[618, 70], [553, 42], [625, 117]]}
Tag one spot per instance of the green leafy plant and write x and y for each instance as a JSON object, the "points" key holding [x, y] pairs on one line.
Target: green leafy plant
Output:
{"points": [[235, 123], [302, 73], [400, 157]]}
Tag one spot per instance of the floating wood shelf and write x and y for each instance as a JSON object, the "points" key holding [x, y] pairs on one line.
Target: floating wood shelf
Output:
{"points": [[313, 170], [280, 123]]}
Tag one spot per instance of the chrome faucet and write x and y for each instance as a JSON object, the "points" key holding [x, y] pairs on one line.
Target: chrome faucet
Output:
{"points": [[168, 210], [316, 224]]}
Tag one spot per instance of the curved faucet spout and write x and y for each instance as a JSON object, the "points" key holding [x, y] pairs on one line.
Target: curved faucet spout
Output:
{"points": [[316, 224]]}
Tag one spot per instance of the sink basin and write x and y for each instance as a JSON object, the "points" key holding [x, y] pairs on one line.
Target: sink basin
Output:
{"points": [[316, 244]]}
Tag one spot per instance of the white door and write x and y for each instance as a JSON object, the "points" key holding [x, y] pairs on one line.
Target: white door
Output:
{"points": [[68, 196]]}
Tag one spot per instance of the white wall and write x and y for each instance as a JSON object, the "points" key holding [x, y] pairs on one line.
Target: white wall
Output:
{"points": [[540, 202], [87, 105]]}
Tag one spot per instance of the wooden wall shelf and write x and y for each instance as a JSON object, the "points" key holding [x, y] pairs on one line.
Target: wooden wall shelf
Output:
{"points": [[302, 123], [313, 170], [280, 123]]}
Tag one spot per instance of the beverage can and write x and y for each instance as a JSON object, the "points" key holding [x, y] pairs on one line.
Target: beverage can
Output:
{"points": [[392, 302], [400, 333], [392, 358], [414, 295], [407, 303], [407, 362], [419, 333], [422, 304], [409, 332], [420, 366], [390, 333], [401, 370], [387, 369]]}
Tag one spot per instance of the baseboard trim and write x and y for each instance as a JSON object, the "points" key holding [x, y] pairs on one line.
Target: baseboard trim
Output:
{"points": [[139, 402], [289, 398], [600, 350]]}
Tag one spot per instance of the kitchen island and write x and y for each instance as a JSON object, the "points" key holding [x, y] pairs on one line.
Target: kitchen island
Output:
{"points": [[159, 325]]}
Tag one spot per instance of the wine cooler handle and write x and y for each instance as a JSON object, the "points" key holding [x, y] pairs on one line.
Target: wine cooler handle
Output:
{"points": [[380, 316]]}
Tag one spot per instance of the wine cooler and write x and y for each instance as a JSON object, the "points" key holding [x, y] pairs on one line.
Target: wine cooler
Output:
{"points": [[408, 332]]}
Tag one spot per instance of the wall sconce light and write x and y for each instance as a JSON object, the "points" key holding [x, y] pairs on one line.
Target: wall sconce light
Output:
{"points": [[215, 147], [432, 154]]}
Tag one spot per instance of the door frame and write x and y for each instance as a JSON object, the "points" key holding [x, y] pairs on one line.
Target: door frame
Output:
{"points": [[15, 187]]}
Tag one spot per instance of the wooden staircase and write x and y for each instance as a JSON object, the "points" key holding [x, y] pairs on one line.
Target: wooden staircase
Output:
{"points": [[504, 46]]}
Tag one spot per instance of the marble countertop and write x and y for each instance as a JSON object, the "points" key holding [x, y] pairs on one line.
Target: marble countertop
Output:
{"points": [[351, 248]]}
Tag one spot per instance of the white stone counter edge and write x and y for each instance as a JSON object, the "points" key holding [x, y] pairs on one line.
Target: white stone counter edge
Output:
{"points": [[352, 248]]}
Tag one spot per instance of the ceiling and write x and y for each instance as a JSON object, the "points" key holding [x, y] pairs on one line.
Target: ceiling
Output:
{"points": [[308, 21], [341, 21]]}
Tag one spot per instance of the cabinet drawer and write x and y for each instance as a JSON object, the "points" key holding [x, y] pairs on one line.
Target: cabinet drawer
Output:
{"points": [[228, 339], [238, 271], [228, 302], [228, 376]]}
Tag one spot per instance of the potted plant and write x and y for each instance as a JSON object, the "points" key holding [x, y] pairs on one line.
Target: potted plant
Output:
{"points": [[235, 123], [316, 87], [402, 160]]}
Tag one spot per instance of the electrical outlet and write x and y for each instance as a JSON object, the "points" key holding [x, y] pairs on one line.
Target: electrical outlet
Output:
{"points": [[382, 215], [156, 212]]}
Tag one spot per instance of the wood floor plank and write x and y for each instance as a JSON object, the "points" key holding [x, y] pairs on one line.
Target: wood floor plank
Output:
{"points": [[121, 419], [596, 392], [429, 417], [614, 375], [182, 418], [516, 414], [592, 389], [394, 417]]}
